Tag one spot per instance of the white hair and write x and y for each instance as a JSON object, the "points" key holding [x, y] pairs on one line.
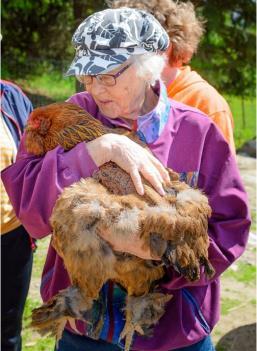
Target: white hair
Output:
{"points": [[149, 66]]}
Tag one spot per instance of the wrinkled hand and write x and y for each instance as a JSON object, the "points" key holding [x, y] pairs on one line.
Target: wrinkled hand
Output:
{"points": [[131, 157]]}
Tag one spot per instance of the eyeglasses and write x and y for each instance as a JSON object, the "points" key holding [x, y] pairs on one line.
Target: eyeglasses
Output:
{"points": [[105, 79]]}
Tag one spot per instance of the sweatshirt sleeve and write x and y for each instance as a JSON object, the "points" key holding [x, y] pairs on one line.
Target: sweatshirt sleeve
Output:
{"points": [[229, 224], [34, 183]]}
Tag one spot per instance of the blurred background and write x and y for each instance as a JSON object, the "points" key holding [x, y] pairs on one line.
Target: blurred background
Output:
{"points": [[37, 50]]}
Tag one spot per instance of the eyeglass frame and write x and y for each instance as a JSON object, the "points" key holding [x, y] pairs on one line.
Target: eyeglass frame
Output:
{"points": [[115, 76]]}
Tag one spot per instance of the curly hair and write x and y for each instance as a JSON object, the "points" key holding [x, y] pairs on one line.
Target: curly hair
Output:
{"points": [[179, 20]]}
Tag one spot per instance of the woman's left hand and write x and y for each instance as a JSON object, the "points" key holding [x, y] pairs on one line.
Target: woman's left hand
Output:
{"points": [[132, 158]]}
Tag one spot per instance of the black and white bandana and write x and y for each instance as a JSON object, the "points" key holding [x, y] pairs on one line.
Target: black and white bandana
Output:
{"points": [[108, 38]]}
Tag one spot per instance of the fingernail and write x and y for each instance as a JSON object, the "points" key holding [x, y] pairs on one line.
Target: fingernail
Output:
{"points": [[140, 191], [162, 192]]}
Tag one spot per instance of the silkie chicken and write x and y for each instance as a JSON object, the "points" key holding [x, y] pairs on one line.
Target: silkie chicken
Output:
{"points": [[174, 227]]}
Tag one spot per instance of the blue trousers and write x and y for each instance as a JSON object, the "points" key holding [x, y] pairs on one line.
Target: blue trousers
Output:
{"points": [[73, 342], [16, 265]]}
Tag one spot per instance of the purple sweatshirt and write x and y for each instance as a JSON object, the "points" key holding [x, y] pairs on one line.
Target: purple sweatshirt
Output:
{"points": [[190, 144]]}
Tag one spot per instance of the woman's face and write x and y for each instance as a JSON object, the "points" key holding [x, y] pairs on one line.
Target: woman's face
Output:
{"points": [[125, 99]]}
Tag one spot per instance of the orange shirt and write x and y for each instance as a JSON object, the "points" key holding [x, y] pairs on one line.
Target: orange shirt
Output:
{"points": [[191, 89]]}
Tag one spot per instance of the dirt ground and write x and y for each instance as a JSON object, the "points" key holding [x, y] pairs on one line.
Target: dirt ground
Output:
{"points": [[236, 330], [247, 167]]}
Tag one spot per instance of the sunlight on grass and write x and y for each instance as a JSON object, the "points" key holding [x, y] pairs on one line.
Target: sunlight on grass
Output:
{"points": [[243, 129], [31, 340], [246, 273], [40, 256], [53, 85], [227, 304]]}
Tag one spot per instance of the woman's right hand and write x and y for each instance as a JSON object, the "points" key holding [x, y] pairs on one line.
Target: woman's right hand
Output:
{"points": [[131, 157]]}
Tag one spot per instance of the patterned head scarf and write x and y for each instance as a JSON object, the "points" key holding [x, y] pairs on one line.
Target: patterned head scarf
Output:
{"points": [[108, 38]]}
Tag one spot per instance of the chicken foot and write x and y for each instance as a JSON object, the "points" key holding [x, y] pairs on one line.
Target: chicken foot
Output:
{"points": [[142, 313], [67, 306]]}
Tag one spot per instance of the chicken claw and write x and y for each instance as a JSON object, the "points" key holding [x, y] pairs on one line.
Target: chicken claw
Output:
{"points": [[142, 312]]}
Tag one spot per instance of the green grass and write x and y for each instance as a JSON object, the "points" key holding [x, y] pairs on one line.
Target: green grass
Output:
{"points": [[31, 340], [246, 273], [227, 304], [220, 348], [253, 217], [53, 85], [40, 256], [243, 130]]}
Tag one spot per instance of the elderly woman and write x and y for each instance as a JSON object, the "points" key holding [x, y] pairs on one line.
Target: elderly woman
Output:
{"points": [[184, 84], [117, 59]]}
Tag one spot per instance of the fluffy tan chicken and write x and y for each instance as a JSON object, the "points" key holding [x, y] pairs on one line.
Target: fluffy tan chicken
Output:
{"points": [[174, 227]]}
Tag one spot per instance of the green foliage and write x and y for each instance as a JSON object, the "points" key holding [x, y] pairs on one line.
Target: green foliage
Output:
{"points": [[43, 28], [227, 53]]}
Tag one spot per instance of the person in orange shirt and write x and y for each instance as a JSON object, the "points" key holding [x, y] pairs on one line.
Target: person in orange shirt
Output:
{"points": [[183, 84]]}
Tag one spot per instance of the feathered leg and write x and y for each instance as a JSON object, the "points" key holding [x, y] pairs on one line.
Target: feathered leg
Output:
{"points": [[142, 313], [64, 307]]}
